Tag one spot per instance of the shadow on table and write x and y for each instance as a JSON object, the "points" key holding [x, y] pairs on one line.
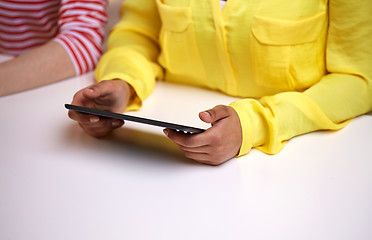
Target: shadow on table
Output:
{"points": [[130, 142], [142, 140]]}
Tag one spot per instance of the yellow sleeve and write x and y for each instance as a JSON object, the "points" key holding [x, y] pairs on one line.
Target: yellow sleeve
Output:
{"points": [[343, 93], [133, 50]]}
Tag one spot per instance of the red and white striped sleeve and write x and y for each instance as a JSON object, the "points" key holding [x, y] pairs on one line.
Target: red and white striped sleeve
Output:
{"points": [[81, 31], [25, 25]]}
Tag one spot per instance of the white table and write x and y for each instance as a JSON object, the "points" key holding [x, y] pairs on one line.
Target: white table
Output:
{"points": [[56, 182]]}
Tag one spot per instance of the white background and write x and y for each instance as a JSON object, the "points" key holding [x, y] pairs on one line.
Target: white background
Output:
{"points": [[56, 182]]}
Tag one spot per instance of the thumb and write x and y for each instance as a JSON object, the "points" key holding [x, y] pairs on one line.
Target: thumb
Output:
{"points": [[91, 92], [215, 114], [99, 90]]}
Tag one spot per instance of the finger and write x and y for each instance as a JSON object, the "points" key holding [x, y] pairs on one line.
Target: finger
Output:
{"points": [[202, 149], [199, 157], [107, 123], [82, 117], [91, 96], [91, 92], [207, 151], [215, 114], [214, 153], [203, 158], [102, 127], [100, 89], [80, 99], [95, 132], [186, 140], [104, 93]]}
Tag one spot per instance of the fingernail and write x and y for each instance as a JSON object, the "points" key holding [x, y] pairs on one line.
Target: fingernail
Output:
{"points": [[165, 131], [94, 119], [206, 112], [88, 91], [116, 123]]}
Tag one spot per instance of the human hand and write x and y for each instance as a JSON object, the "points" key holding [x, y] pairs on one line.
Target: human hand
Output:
{"points": [[111, 95], [217, 144]]}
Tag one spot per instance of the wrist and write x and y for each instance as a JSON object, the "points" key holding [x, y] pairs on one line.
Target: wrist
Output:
{"points": [[127, 92], [253, 124]]}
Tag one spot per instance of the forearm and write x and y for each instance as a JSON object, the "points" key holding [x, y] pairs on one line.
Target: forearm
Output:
{"points": [[43, 65], [133, 50]]}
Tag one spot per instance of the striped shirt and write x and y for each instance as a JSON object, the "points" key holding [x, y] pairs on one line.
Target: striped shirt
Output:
{"points": [[77, 25]]}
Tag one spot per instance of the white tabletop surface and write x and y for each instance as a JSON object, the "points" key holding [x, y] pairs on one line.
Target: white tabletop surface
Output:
{"points": [[56, 182]]}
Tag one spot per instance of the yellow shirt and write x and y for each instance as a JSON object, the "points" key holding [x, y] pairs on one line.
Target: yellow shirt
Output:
{"points": [[299, 66]]}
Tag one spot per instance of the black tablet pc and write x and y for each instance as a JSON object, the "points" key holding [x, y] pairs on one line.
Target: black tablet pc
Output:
{"points": [[177, 127]]}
